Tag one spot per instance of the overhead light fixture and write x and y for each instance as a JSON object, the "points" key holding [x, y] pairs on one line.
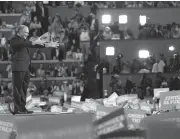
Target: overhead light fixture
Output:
{"points": [[110, 51], [144, 54], [106, 19], [171, 48], [142, 20], [123, 19]]}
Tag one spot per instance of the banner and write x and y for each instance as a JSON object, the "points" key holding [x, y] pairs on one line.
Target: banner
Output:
{"points": [[146, 107], [158, 91], [134, 118], [43, 126], [169, 100], [115, 121], [102, 111]]}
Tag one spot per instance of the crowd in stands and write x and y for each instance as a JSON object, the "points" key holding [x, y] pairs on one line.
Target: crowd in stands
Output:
{"points": [[147, 31], [74, 88], [8, 7], [78, 35], [152, 64], [68, 32], [159, 31], [146, 85]]}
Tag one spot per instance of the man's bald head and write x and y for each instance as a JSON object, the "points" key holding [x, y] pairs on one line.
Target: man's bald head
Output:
{"points": [[23, 31]]}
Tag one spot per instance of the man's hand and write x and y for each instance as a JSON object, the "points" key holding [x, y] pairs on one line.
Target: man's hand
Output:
{"points": [[52, 44], [38, 42]]}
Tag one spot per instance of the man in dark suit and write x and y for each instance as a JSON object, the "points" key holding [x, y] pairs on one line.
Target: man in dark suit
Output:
{"points": [[20, 66]]}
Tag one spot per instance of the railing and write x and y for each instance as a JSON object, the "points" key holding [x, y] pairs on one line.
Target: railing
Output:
{"points": [[11, 14], [44, 78], [45, 61]]}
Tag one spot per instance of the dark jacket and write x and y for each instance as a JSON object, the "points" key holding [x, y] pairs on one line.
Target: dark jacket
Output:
{"points": [[20, 53]]}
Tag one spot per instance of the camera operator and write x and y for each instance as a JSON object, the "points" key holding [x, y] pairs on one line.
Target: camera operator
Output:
{"points": [[116, 84], [118, 67], [129, 86]]}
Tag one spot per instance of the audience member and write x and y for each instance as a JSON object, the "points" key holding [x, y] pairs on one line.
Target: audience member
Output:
{"points": [[40, 71], [34, 35], [35, 25]]}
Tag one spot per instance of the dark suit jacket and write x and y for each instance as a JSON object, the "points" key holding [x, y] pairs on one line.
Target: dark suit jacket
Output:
{"points": [[20, 53]]}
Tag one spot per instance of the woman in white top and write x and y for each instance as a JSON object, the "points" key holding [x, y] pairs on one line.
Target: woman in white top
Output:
{"points": [[35, 24], [79, 55]]}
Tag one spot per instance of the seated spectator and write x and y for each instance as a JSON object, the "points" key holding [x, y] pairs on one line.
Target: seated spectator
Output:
{"points": [[32, 88], [164, 83], [129, 85], [79, 55], [158, 67], [32, 71], [83, 23], [107, 34], [42, 14], [5, 25], [6, 53], [70, 53], [73, 24], [9, 71], [76, 88], [42, 89], [135, 66], [38, 55], [34, 36], [53, 87], [144, 32], [63, 42], [57, 24], [115, 28], [25, 18], [48, 36], [84, 35], [58, 53], [116, 84], [2, 40], [160, 4], [127, 35], [3, 88], [175, 31], [60, 70], [40, 71], [94, 25], [35, 25], [144, 70], [79, 3], [158, 80], [50, 71], [146, 84]]}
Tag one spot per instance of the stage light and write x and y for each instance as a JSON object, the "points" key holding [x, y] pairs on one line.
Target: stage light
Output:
{"points": [[106, 19], [143, 54], [142, 20], [123, 19], [171, 48], [110, 51]]}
